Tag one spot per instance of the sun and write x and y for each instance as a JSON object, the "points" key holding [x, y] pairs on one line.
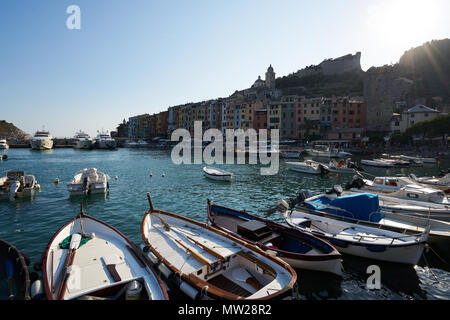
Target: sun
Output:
{"points": [[401, 22]]}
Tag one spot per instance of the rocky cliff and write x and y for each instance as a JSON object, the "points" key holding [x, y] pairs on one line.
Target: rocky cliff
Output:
{"points": [[13, 134]]}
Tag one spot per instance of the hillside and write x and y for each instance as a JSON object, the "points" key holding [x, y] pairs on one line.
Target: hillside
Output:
{"points": [[429, 67], [13, 134]]}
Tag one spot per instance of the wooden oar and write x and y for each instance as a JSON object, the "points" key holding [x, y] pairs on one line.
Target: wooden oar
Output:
{"points": [[74, 243], [9, 265], [188, 250]]}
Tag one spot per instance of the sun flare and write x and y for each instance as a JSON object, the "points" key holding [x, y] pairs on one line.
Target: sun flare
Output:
{"points": [[401, 22]]}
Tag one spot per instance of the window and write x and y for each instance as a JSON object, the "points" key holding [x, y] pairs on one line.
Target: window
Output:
{"points": [[426, 114], [397, 123]]}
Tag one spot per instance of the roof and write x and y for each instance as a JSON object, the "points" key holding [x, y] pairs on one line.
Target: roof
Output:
{"points": [[420, 108]]}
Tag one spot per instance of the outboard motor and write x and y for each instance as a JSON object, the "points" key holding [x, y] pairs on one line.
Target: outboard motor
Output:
{"points": [[357, 183], [85, 183], [323, 169], [354, 165], [13, 187]]}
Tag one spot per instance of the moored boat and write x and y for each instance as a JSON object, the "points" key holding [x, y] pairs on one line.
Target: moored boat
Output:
{"points": [[42, 140], [217, 174], [442, 183], [207, 263], [398, 214], [83, 141], [89, 181], [349, 224], [17, 184], [308, 166], [398, 187], [104, 141], [377, 163], [300, 249], [3, 144], [89, 260], [14, 270]]}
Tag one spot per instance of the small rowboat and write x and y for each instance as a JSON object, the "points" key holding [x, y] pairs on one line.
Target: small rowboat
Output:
{"points": [[217, 174], [207, 263], [13, 268], [300, 249], [103, 265]]}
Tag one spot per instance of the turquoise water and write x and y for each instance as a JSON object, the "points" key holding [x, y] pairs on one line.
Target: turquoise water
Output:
{"points": [[29, 224]]}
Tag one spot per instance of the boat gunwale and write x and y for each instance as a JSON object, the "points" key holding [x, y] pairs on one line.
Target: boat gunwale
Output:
{"points": [[333, 255], [47, 290], [199, 284]]}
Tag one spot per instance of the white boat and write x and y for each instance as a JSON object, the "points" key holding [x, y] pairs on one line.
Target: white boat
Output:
{"points": [[42, 140], [442, 183], [308, 166], [424, 160], [300, 249], [17, 184], [217, 174], [83, 140], [89, 181], [347, 223], [290, 154], [410, 216], [104, 141], [400, 188], [343, 166], [207, 263], [141, 143], [327, 152], [3, 144], [377, 163], [395, 162], [105, 265]]}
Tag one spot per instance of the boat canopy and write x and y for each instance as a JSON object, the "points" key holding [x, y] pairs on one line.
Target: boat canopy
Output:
{"points": [[361, 206]]}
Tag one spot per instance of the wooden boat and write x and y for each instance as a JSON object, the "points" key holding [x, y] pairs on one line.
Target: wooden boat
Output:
{"points": [[17, 184], [347, 223], [207, 263], [104, 266], [300, 249], [14, 270], [88, 181], [217, 174], [377, 163], [308, 166]]}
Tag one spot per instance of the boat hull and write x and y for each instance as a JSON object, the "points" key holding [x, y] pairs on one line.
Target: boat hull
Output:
{"points": [[41, 144], [183, 260], [83, 144], [94, 276]]}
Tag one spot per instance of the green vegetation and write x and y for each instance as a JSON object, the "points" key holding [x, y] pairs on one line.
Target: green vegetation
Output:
{"points": [[6, 128], [438, 127]]}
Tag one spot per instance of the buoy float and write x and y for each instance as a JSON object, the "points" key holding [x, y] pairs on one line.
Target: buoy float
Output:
{"points": [[163, 175], [116, 177], [151, 174], [56, 181]]}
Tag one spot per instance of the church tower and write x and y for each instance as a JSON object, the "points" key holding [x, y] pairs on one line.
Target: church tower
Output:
{"points": [[270, 78]]}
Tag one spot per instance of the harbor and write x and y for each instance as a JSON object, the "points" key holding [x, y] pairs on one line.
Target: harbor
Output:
{"points": [[29, 224]]}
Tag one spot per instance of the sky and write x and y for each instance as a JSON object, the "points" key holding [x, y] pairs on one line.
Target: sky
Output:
{"points": [[143, 56]]}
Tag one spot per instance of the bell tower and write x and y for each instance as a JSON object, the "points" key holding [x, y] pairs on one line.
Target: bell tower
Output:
{"points": [[270, 78]]}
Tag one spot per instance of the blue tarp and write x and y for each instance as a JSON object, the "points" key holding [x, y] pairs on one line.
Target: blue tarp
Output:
{"points": [[361, 206]]}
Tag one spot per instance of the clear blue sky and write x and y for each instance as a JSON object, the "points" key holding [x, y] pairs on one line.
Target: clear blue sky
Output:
{"points": [[141, 56]]}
